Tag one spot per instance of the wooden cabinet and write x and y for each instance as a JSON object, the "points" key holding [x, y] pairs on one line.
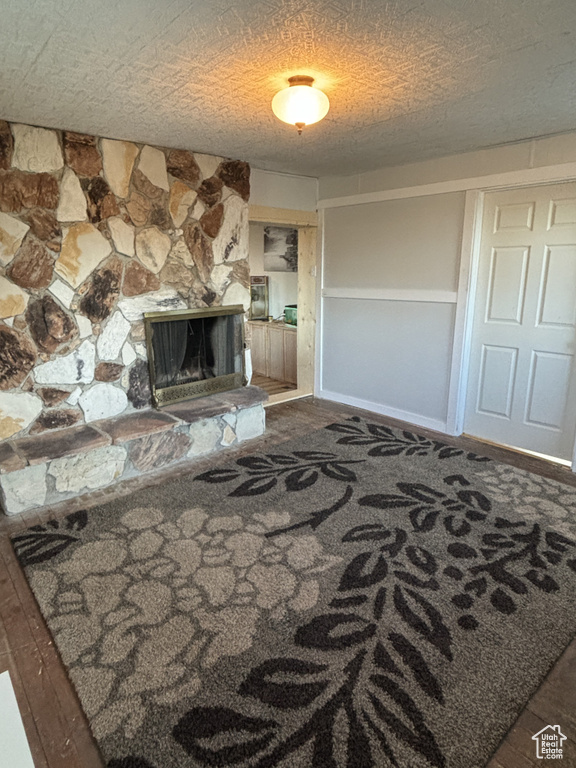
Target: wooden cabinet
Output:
{"points": [[275, 353], [274, 347], [258, 347], [290, 357]]}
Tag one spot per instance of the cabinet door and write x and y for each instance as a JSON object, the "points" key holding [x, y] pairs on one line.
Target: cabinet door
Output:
{"points": [[276, 353], [290, 357], [259, 334]]}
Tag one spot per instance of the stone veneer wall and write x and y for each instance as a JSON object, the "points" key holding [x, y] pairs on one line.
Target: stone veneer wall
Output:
{"points": [[94, 232]]}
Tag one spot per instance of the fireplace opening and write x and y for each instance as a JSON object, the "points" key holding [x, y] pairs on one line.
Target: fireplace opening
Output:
{"points": [[193, 353]]}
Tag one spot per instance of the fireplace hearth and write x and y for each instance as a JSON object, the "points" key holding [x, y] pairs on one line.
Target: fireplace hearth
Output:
{"points": [[195, 352]]}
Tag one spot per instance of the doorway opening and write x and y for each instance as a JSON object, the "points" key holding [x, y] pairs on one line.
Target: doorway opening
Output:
{"points": [[282, 326]]}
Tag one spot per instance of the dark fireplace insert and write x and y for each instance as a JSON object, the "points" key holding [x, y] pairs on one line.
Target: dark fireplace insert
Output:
{"points": [[194, 352]]}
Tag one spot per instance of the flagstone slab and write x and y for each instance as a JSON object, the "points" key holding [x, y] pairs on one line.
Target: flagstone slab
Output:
{"points": [[112, 338], [13, 300], [181, 198], [159, 301], [182, 164], [10, 461], [118, 159], [108, 371], [102, 401], [26, 190], [55, 419], [83, 248], [12, 232], [208, 164], [63, 292], [82, 154], [72, 204], [136, 425], [216, 405], [33, 266], [138, 280], [249, 423], [55, 445], [17, 411], [88, 471], [152, 248], [24, 489], [236, 294], [75, 368], [236, 175], [17, 357], [52, 396], [153, 165], [158, 450], [36, 149], [231, 243], [122, 235], [206, 435], [45, 226]]}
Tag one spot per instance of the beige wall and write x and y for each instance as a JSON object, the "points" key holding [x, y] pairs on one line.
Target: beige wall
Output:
{"points": [[408, 244]]}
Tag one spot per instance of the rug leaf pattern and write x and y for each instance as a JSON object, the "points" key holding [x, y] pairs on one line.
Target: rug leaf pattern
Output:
{"points": [[331, 606]]}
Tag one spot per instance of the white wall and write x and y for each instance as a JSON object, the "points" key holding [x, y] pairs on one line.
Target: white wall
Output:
{"points": [[282, 286], [534, 153], [393, 309], [282, 190]]}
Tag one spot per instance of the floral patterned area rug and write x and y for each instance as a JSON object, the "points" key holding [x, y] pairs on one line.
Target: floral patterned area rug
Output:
{"points": [[361, 597]]}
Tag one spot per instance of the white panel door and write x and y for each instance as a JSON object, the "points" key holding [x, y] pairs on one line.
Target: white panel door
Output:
{"points": [[522, 382]]}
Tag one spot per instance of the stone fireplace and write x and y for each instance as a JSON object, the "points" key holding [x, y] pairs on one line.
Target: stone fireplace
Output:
{"points": [[94, 234]]}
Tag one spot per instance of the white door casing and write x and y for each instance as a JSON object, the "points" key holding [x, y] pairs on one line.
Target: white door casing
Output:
{"points": [[521, 383]]}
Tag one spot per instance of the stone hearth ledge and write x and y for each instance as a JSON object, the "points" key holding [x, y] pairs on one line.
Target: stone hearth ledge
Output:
{"points": [[38, 472]]}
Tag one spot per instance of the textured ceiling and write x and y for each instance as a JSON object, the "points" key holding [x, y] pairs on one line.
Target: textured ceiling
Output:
{"points": [[407, 79]]}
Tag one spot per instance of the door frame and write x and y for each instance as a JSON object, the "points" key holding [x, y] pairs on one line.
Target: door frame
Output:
{"points": [[306, 222], [467, 295]]}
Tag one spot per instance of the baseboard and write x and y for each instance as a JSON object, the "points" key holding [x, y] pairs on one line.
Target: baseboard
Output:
{"points": [[15, 750], [384, 410]]}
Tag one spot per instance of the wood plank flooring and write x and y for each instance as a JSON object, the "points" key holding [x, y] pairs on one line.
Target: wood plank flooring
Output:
{"points": [[55, 725], [272, 386]]}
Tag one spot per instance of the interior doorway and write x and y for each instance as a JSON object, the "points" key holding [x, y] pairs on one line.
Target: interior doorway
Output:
{"points": [[522, 379], [283, 352]]}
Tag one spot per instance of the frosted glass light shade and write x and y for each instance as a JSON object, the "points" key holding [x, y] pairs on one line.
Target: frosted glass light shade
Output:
{"points": [[300, 104]]}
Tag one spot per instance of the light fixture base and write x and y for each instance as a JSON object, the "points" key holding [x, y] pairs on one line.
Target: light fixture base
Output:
{"points": [[301, 80]]}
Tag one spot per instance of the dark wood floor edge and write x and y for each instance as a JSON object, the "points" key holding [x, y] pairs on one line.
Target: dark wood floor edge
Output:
{"points": [[74, 713]]}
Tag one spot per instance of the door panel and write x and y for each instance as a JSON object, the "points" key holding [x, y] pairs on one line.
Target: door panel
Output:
{"points": [[562, 213], [521, 384], [557, 295], [497, 380], [541, 409], [515, 216], [507, 288]]}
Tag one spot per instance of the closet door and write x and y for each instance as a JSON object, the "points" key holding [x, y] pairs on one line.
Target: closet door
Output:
{"points": [[521, 387]]}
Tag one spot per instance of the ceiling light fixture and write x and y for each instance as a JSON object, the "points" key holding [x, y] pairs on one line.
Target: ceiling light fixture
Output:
{"points": [[301, 103]]}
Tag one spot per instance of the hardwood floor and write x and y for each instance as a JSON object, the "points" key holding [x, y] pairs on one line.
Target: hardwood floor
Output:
{"points": [[55, 725], [272, 386]]}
